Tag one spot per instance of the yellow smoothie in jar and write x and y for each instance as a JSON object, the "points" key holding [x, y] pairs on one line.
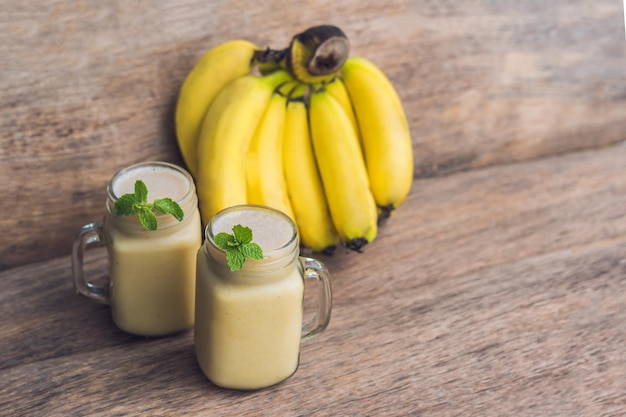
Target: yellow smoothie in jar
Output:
{"points": [[152, 290], [249, 322]]}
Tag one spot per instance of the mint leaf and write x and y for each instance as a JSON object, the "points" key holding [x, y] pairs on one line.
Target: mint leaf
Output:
{"points": [[129, 204], [251, 250], [141, 192], [238, 246], [169, 206], [242, 234], [224, 240], [147, 218], [126, 205], [235, 259]]}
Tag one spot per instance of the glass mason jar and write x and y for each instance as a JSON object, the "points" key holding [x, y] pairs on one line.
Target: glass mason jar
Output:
{"points": [[249, 323], [151, 283]]}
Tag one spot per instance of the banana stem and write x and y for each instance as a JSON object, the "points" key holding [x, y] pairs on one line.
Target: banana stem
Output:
{"points": [[269, 55], [269, 60], [313, 57]]}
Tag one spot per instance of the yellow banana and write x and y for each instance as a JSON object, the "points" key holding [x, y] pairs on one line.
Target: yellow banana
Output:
{"points": [[304, 184], [265, 178], [385, 133], [218, 67], [224, 139], [337, 89], [343, 171]]}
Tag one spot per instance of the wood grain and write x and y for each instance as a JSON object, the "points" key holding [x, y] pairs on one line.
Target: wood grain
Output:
{"points": [[89, 87], [494, 292]]}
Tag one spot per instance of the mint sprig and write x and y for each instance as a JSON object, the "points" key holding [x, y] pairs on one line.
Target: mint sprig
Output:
{"points": [[137, 203], [238, 246]]}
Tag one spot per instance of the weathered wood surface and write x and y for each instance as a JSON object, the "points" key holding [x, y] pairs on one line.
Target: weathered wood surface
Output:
{"points": [[87, 87], [494, 292]]}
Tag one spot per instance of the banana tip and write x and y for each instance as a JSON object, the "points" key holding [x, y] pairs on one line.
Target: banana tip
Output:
{"points": [[385, 212], [356, 244], [329, 250]]}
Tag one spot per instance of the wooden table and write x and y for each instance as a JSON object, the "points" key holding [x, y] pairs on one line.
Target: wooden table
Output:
{"points": [[497, 289], [493, 292]]}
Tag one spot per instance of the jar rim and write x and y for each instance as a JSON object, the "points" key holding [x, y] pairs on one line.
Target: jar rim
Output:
{"points": [[187, 198], [292, 241], [162, 164]]}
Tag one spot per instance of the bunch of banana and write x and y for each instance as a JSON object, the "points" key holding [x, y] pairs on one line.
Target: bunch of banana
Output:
{"points": [[308, 130]]}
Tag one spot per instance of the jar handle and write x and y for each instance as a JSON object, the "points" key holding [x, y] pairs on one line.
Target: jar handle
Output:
{"points": [[314, 269], [88, 234]]}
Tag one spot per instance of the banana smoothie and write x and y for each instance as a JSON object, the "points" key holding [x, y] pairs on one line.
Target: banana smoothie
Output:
{"points": [[248, 322], [152, 288]]}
